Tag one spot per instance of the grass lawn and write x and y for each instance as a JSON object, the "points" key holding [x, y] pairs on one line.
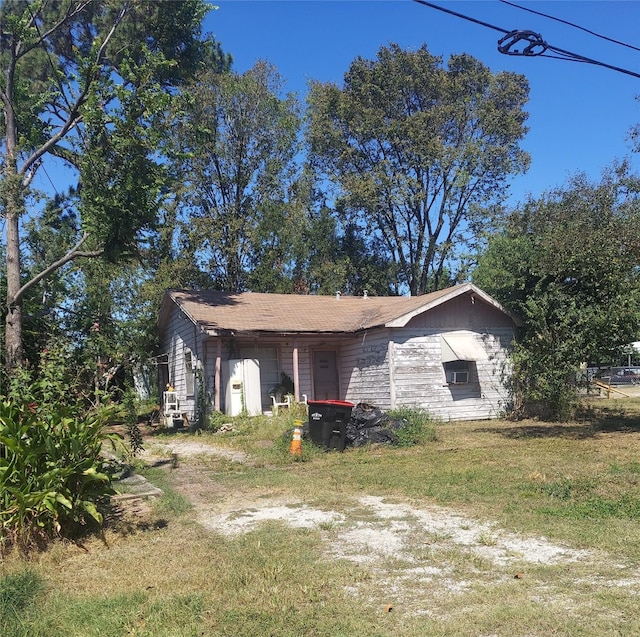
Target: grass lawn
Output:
{"points": [[494, 529]]}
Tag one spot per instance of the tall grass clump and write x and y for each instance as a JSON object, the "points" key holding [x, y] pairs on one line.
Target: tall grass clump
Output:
{"points": [[417, 426], [52, 474], [18, 592]]}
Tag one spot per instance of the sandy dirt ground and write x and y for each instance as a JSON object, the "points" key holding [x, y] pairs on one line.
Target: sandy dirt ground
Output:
{"points": [[402, 545]]}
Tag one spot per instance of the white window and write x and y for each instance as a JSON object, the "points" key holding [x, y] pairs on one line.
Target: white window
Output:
{"points": [[189, 373], [460, 350]]}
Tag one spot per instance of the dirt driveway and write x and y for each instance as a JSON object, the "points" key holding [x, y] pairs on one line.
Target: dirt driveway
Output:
{"points": [[407, 549]]}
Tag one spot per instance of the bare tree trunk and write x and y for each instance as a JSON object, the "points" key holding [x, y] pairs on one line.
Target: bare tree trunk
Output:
{"points": [[13, 333], [13, 207]]}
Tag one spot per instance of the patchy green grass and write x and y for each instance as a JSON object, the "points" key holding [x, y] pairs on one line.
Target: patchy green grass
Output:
{"points": [[575, 484]]}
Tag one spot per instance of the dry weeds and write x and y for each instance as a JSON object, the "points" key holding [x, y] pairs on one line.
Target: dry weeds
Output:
{"points": [[421, 558]]}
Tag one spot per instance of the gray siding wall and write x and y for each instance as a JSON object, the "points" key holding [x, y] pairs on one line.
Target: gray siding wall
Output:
{"points": [[181, 334], [419, 379], [463, 312], [365, 370], [403, 367]]}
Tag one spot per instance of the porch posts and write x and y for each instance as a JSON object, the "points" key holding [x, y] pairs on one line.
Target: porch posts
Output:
{"points": [[217, 380], [296, 379]]}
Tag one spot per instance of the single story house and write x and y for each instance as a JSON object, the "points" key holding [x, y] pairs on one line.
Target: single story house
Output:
{"points": [[446, 352]]}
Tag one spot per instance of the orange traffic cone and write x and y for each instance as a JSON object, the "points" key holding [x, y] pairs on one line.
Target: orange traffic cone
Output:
{"points": [[296, 442]]}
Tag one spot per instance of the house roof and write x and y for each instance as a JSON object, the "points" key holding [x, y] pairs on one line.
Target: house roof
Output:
{"points": [[222, 312]]}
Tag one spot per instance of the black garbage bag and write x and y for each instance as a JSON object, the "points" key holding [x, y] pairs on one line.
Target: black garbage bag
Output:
{"points": [[359, 438], [364, 415], [370, 424]]}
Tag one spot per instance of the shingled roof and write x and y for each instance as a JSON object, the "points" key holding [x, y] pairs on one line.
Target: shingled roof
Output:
{"points": [[223, 312]]}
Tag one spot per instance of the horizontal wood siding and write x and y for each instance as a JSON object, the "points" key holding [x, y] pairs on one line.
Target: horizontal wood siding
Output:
{"points": [[419, 378], [365, 369], [181, 333], [465, 312]]}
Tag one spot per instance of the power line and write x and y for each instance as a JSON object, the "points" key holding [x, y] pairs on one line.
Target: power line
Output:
{"points": [[49, 178], [461, 15], [535, 44], [571, 24]]}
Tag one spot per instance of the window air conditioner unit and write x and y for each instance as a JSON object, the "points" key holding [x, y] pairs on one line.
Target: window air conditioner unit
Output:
{"points": [[457, 378]]}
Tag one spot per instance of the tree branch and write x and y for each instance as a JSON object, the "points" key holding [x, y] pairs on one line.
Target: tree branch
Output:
{"points": [[73, 253], [74, 117], [42, 37]]}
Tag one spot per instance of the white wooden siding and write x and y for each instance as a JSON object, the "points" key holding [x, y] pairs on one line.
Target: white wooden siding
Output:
{"points": [[180, 334], [365, 369], [419, 378]]}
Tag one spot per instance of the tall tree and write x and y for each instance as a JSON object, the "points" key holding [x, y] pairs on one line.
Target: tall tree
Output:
{"points": [[418, 151], [567, 263], [84, 82], [236, 145], [305, 250]]}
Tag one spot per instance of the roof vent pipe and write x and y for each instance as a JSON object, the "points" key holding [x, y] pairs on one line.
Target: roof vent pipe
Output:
{"points": [[366, 294], [338, 295]]}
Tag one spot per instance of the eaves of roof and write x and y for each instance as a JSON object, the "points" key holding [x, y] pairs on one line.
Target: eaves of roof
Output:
{"points": [[218, 313]]}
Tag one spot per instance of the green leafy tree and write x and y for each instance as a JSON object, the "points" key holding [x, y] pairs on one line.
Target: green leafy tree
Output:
{"points": [[567, 263], [84, 86], [417, 152], [305, 250], [235, 149]]}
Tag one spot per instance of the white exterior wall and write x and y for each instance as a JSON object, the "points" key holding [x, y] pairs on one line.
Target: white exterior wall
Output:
{"points": [[403, 368], [419, 379], [181, 333], [365, 370]]}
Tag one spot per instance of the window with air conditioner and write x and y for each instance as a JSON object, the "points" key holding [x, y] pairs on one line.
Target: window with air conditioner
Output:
{"points": [[460, 351], [457, 372]]}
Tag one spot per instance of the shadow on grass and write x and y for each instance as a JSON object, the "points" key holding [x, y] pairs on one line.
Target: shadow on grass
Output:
{"points": [[127, 517], [589, 423]]}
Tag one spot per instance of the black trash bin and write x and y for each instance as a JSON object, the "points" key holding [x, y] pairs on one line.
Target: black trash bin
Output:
{"points": [[328, 421]]}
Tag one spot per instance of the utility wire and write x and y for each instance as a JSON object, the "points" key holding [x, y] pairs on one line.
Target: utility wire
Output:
{"points": [[461, 15], [536, 45], [571, 24], [49, 178]]}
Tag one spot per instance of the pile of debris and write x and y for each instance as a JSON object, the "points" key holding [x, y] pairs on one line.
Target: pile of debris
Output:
{"points": [[371, 424]]}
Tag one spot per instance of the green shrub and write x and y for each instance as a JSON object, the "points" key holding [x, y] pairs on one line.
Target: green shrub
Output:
{"points": [[216, 420], [52, 474], [418, 426]]}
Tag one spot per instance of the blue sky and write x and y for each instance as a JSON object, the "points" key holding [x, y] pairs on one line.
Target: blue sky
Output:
{"points": [[580, 114]]}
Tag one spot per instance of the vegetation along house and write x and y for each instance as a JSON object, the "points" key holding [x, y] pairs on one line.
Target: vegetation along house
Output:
{"points": [[445, 351]]}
